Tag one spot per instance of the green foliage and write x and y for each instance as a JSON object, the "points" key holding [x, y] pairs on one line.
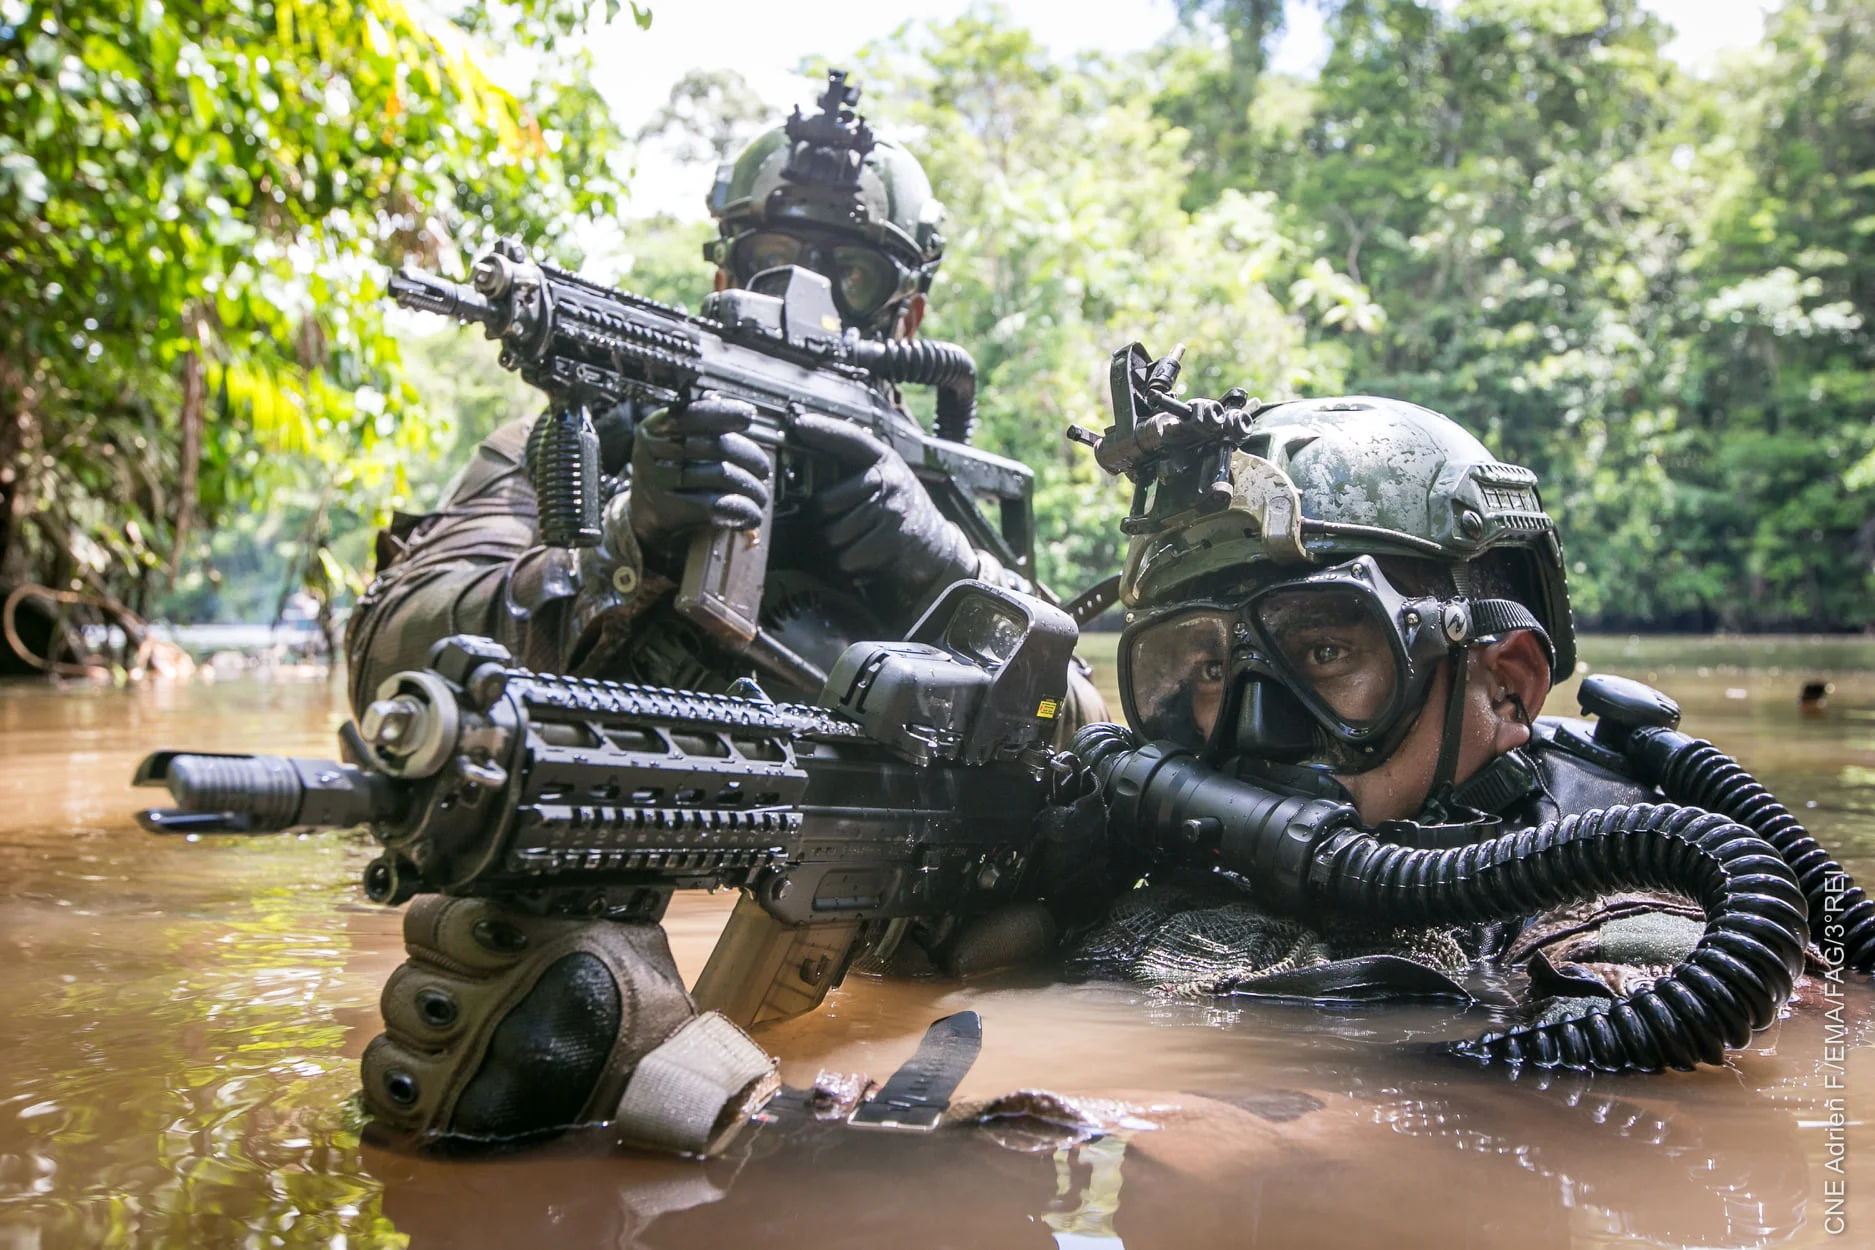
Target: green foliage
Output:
{"points": [[709, 116], [1215, 73], [1650, 288], [200, 202], [1068, 238]]}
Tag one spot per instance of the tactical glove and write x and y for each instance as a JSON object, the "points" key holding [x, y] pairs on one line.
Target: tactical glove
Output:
{"points": [[879, 520], [503, 1024], [694, 466]]}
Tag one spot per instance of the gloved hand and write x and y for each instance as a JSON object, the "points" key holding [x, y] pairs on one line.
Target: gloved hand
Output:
{"points": [[1077, 867], [694, 466], [504, 1024], [879, 520]]}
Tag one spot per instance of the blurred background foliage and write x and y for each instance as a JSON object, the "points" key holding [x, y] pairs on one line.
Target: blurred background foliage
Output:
{"points": [[1650, 286], [200, 202]]}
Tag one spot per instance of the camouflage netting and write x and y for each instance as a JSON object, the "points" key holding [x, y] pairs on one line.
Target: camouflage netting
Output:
{"points": [[1181, 942]]}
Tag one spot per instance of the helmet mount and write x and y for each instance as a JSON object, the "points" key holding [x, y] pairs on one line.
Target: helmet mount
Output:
{"points": [[830, 147], [1223, 488]]}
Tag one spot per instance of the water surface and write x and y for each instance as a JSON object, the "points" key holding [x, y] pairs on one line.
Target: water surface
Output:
{"points": [[180, 1026]]}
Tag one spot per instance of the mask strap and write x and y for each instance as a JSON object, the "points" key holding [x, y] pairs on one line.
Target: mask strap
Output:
{"points": [[1460, 656]]}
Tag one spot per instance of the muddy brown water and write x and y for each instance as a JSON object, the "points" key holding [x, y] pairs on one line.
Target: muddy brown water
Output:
{"points": [[180, 1027]]}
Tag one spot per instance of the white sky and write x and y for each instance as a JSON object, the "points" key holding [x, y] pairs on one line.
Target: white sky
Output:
{"points": [[764, 40]]}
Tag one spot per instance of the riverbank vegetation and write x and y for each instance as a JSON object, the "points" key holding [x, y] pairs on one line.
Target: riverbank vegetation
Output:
{"points": [[1651, 286]]}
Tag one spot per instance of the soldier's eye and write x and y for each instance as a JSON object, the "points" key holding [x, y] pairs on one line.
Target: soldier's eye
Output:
{"points": [[770, 251], [866, 278]]}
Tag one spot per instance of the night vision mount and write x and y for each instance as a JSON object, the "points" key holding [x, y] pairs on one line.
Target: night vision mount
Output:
{"points": [[1185, 456], [829, 147]]}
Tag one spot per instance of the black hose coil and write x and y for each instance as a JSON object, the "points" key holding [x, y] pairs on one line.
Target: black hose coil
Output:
{"points": [[1694, 772], [929, 362], [1734, 981]]}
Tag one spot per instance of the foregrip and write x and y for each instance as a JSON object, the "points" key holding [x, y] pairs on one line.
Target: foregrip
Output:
{"points": [[564, 456]]}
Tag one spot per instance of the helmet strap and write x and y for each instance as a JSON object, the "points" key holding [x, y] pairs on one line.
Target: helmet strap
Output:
{"points": [[1453, 731]]}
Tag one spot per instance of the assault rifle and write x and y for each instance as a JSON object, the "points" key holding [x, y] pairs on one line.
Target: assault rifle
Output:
{"points": [[778, 346], [909, 793]]}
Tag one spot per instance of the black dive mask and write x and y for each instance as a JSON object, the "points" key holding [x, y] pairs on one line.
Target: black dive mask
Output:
{"points": [[1330, 668], [866, 280]]}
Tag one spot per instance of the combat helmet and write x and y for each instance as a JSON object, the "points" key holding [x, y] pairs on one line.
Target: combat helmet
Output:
{"points": [[1317, 479], [1271, 513], [827, 182]]}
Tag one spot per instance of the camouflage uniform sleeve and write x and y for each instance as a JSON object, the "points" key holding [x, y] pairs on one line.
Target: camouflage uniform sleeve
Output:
{"points": [[476, 566]]}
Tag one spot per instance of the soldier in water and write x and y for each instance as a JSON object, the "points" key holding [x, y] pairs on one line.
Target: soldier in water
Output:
{"points": [[860, 557]]}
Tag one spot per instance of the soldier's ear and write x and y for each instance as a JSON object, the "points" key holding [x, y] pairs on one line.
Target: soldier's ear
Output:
{"points": [[912, 317], [1517, 670]]}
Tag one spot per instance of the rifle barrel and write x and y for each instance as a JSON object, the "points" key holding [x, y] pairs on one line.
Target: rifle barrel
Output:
{"points": [[260, 793], [412, 288]]}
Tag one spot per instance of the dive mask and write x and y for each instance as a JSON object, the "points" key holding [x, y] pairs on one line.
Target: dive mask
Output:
{"points": [[865, 279], [1330, 668]]}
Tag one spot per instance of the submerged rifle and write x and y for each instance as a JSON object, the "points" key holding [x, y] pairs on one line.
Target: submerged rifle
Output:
{"points": [[910, 793], [777, 346]]}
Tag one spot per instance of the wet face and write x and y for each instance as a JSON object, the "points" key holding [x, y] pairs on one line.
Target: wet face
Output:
{"points": [[1334, 646], [1178, 671], [1499, 678]]}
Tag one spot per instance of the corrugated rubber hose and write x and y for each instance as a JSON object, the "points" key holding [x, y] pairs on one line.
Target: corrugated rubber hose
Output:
{"points": [[1302, 854], [929, 362], [1734, 982], [1694, 772]]}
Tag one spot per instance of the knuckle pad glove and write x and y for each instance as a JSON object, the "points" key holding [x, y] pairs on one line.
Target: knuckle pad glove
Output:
{"points": [[693, 466], [503, 1024], [879, 519]]}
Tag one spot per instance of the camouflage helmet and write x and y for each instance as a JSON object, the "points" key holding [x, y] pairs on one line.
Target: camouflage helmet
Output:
{"points": [[1321, 480], [829, 172]]}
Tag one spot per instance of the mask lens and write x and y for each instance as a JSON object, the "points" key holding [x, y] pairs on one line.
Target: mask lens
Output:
{"points": [[1337, 649], [766, 249], [1175, 676], [866, 279]]}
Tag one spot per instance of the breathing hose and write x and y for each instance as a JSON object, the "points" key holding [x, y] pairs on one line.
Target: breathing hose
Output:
{"points": [[1698, 774], [1641, 724], [1303, 855], [928, 362]]}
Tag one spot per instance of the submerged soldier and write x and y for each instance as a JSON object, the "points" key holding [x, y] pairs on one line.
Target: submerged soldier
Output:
{"points": [[1377, 616], [1337, 598], [1391, 646]]}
